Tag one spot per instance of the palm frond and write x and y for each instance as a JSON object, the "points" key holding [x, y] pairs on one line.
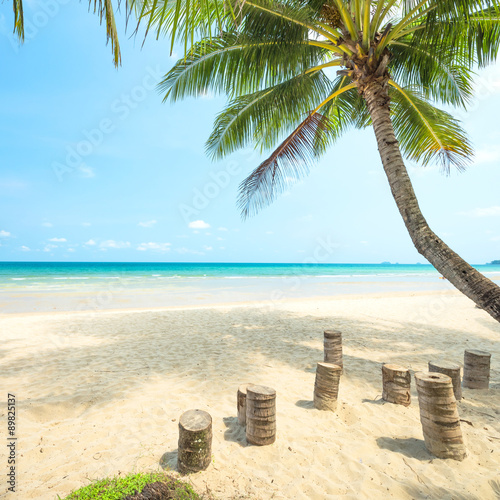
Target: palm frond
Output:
{"points": [[347, 110], [470, 29], [426, 133], [104, 9], [440, 75], [264, 117], [289, 161], [281, 17], [18, 18], [235, 64]]}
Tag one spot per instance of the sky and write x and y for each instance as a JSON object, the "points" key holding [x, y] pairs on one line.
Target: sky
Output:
{"points": [[95, 167]]}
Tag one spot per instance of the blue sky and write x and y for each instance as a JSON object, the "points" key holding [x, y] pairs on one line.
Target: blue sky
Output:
{"points": [[94, 167]]}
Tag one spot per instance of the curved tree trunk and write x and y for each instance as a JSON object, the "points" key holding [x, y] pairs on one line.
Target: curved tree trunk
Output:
{"points": [[468, 280]]}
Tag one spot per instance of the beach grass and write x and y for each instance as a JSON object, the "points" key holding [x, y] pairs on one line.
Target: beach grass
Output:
{"points": [[130, 487]]}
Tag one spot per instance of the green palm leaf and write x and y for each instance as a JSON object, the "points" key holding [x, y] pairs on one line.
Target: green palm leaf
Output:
{"points": [[265, 116], [232, 64], [18, 18], [104, 9], [347, 110], [426, 133], [289, 162], [439, 76]]}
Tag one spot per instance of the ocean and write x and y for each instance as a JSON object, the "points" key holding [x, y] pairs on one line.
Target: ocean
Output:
{"points": [[43, 286], [61, 275]]}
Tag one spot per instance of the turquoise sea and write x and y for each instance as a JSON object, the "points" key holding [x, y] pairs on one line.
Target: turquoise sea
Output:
{"points": [[69, 286], [63, 275]]}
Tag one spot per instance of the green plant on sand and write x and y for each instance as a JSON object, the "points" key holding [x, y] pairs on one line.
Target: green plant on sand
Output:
{"points": [[397, 59], [141, 486]]}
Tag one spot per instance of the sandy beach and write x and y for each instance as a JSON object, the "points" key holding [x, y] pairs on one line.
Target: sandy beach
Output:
{"points": [[101, 393]]}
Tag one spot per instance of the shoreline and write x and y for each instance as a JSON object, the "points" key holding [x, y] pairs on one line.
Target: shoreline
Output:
{"points": [[239, 304], [208, 293]]}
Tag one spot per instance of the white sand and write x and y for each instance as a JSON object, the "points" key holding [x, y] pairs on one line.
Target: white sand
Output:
{"points": [[101, 394]]}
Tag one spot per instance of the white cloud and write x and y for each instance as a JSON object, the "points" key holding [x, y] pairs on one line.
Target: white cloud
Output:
{"points": [[220, 239], [86, 171], [207, 248], [71, 249], [4, 234], [90, 243], [495, 238], [198, 224], [483, 212], [161, 247], [47, 224], [149, 223], [58, 240], [222, 228], [86, 224], [25, 248], [115, 244], [49, 248]]}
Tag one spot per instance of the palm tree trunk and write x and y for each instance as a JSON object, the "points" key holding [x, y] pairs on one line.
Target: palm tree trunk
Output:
{"points": [[468, 280]]}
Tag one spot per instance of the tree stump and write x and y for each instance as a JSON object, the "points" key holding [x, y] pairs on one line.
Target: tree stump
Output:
{"points": [[453, 371], [326, 386], [439, 416], [241, 403], [396, 382], [333, 348], [195, 441], [261, 415], [476, 369]]}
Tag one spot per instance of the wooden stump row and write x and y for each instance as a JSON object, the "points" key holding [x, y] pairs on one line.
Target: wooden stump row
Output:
{"points": [[438, 392], [476, 369], [326, 386], [439, 416], [396, 382]]}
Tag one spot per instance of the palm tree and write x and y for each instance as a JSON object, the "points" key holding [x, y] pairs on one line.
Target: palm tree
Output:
{"points": [[397, 59]]}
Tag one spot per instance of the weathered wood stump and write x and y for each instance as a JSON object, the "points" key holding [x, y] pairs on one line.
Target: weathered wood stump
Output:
{"points": [[396, 382], [326, 386], [241, 403], [333, 348], [476, 369], [439, 416], [195, 441], [453, 371], [261, 415]]}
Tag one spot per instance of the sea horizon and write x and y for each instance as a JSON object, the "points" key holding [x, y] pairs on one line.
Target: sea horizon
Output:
{"points": [[43, 286]]}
